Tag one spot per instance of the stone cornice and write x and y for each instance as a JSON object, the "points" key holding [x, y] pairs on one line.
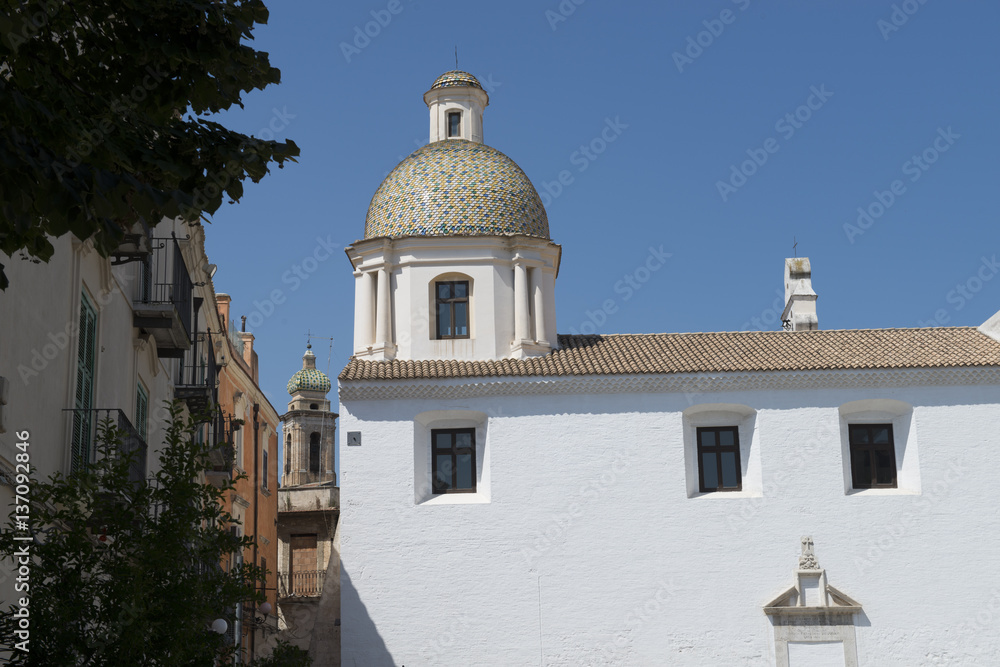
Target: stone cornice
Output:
{"points": [[363, 390]]}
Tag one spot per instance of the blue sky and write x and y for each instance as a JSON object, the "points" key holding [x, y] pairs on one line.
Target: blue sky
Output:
{"points": [[830, 102]]}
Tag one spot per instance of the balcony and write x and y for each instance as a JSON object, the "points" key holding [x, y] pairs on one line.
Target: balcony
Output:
{"points": [[308, 583], [136, 245], [163, 303], [84, 439], [197, 375], [222, 456]]}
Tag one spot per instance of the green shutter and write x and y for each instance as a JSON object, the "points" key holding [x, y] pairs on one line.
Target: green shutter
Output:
{"points": [[141, 409], [85, 367]]}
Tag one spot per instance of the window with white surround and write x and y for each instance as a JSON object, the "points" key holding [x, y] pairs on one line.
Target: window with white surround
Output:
{"points": [[873, 459], [454, 124], [720, 455], [451, 307], [451, 462], [879, 447], [719, 458]]}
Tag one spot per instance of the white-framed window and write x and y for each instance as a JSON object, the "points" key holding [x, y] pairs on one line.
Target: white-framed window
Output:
{"points": [[454, 119], [451, 306], [879, 447], [718, 458], [721, 457], [451, 462]]}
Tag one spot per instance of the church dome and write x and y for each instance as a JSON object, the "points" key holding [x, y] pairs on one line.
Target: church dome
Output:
{"points": [[455, 78], [309, 378], [456, 187]]}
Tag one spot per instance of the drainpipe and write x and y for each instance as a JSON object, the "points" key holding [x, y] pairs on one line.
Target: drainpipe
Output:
{"points": [[256, 499]]}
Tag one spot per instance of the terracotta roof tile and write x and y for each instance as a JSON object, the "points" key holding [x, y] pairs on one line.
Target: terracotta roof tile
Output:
{"points": [[725, 352]]}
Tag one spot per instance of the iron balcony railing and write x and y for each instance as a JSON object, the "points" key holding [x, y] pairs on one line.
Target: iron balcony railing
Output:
{"points": [[84, 439], [197, 374], [164, 281], [307, 583], [222, 454]]}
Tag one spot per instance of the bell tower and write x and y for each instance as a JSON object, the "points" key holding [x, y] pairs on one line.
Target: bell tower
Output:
{"points": [[308, 427]]}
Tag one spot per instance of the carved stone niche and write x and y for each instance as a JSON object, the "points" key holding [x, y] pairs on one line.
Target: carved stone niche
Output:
{"points": [[813, 621]]}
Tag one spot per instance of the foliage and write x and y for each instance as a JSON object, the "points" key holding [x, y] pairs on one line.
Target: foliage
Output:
{"points": [[103, 116], [129, 573], [285, 655]]}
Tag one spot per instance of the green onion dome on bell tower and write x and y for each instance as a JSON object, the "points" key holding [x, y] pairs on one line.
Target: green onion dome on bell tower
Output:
{"points": [[309, 378]]}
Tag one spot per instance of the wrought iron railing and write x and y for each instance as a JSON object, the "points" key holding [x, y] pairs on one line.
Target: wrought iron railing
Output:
{"points": [[223, 453], [307, 583], [197, 373], [165, 280], [84, 436]]}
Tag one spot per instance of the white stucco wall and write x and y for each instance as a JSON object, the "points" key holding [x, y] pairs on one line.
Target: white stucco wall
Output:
{"points": [[415, 263], [592, 547]]}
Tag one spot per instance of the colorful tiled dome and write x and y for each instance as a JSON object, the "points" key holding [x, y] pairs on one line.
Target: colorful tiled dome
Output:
{"points": [[456, 77], [456, 188], [309, 378]]}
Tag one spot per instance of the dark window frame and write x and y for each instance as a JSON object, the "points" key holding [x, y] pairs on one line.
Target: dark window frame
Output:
{"points": [[451, 301], [315, 450], [454, 451], [870, 450], [718, 450], [263, 476], [457, 115]]}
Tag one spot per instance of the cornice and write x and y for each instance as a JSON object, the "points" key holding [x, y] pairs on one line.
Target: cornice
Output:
{"points": [[367, 390]]}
